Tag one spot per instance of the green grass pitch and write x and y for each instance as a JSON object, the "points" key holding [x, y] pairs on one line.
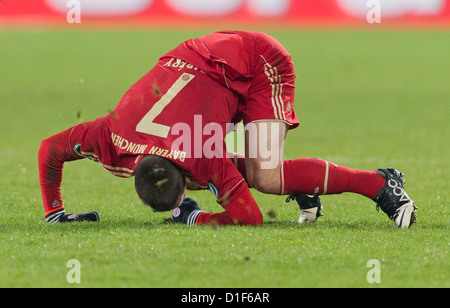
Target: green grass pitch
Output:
{"points": [[365, 99]]}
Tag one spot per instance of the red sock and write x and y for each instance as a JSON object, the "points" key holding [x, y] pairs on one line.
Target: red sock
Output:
{"points": [[317, 176]]}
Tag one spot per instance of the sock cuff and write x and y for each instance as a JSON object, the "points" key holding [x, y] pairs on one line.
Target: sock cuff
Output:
{"points": [[55, 215], [192, 218]]}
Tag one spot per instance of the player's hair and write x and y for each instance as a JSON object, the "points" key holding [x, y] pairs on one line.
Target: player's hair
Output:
{"points": [[159, 183]]}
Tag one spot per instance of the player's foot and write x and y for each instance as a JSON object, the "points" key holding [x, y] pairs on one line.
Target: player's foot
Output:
{"points": [[394, 200], [92, 216], [310, 207]]}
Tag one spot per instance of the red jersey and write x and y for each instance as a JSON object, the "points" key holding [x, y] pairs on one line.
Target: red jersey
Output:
{"points": [[253, 65], [181, 111]]}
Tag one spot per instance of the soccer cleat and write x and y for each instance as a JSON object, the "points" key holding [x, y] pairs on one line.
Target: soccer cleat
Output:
{"points": [[394, 200], [310, 207], [92, 216], [187, 213]]}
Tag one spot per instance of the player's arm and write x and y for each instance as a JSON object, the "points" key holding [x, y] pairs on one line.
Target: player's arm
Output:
{"points": [[243, 210], [239, 162], [53, 153], [232, 191]]}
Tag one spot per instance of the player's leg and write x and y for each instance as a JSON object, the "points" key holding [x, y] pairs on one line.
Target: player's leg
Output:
{"points": [[384, 186], [269, 114], [306, 178], [264, 151], [268, 172], [316, 176]]}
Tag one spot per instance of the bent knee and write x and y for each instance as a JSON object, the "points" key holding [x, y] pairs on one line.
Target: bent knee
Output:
{"points": [[265, 181]]}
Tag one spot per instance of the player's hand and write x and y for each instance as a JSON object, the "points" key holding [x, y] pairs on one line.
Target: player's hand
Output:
{"points": [[91, 216], [187, 212]]}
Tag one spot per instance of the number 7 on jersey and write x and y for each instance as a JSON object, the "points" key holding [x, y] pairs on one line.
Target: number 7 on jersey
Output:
{"points": [[146, 125]]}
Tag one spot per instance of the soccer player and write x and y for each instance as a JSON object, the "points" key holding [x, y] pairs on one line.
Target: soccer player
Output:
{"points": [[170, 126]]}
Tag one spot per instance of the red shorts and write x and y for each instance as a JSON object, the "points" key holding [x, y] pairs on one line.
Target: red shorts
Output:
{"points": [[258, 69], [272, 91]]}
